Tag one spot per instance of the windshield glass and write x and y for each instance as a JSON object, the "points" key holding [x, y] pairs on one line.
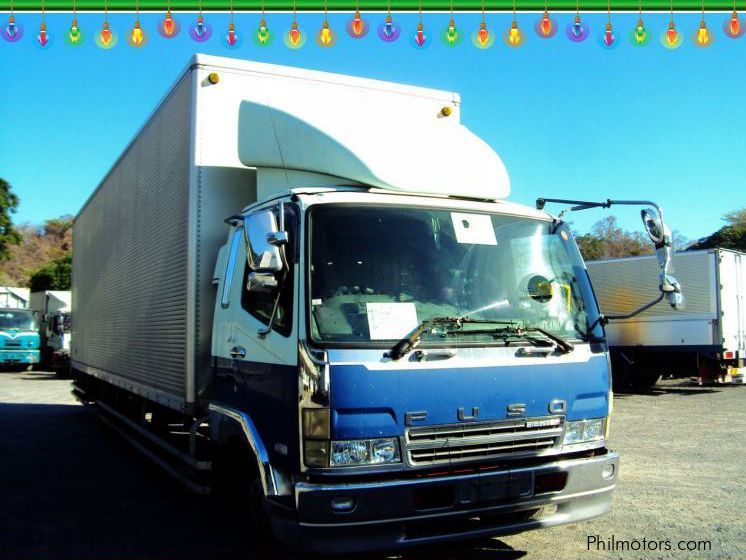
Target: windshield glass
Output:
{"points": [[19, 319], [378, 272]]}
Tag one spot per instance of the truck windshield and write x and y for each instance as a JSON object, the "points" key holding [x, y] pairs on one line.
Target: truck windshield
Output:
{"points": [[377, 272], [17, 319]]}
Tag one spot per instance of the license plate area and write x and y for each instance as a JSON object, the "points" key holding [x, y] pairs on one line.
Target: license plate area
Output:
{"points": [[504, 487]]}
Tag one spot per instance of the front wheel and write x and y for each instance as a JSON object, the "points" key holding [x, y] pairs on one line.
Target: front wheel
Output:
{"points": [[237, 487]]}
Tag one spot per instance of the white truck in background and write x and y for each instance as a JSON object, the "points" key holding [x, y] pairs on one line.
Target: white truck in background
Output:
{"points": [[53, 313], [707, 340]]}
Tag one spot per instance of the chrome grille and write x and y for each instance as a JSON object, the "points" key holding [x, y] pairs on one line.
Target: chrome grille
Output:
{"points": [[455, 443]]}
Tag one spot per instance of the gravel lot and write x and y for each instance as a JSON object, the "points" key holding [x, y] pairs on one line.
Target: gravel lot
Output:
{"points": [[71, 489]]}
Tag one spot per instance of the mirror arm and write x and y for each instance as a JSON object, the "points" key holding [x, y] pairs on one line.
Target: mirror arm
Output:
{"points": [[268, 329], [604, 319], [586, 205]]}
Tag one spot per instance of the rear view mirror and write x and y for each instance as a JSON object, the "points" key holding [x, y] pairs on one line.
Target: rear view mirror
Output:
{"points": [[264, 242]]}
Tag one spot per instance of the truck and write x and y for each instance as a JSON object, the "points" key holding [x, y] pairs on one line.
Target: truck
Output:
{"points": [[53, 310], [306, 294], [19, 338], [707, 341]]}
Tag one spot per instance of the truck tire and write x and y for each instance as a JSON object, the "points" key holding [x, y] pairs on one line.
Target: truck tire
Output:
{"points": [[644, 379], [237, 488]]}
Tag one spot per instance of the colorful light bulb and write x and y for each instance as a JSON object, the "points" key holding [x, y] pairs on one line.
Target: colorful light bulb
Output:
{"points": [[640, 32], [74, 33], [357, 26], [43, 38], [483, 36], [546, 24], [262, 34], [105, 35], [168, 25], [325, 35], [452, 33], [11, 30], [231, 38], [514, 35], [388, 28], [577, 27], [672, 36], [294, 34], [703, 34], [420, 39], [608, 36], [734, 25], [136, 35]]}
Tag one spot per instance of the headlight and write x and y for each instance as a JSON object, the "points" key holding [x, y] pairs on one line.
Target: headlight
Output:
{"points": [[585, 431], [364, 452]]}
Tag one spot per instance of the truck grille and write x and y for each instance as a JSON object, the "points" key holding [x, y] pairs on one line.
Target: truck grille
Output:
{"points": [[456, 443], [12, 344]]}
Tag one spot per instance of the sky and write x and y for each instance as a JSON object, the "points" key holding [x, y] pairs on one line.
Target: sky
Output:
{"points": [[569, 120]]}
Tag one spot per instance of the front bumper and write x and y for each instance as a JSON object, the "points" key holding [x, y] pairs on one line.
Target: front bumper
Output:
{"points": [[8, 357], [400, 513]]}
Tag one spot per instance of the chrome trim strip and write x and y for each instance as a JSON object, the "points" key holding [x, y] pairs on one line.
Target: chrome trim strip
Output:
{"points": [[301, 487], [266, 473]]}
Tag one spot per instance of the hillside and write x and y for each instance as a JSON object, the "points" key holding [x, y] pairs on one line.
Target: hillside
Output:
{"points": [[40, 245]]}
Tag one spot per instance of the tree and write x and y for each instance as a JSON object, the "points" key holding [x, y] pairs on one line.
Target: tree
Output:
{"points": [[8, 234], [55, 275], [730, 236], [607, 240]]}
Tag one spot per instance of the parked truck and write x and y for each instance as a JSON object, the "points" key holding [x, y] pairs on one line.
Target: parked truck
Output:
{"points": [[53, 310], [19, 338], [708, 340], [307, 292]]}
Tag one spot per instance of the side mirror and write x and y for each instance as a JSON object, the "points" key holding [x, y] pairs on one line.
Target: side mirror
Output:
{"points": [[660, 235], [263, 242]]}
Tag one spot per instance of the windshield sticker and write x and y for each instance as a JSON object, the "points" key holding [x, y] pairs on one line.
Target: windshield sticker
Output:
{"points": [[387, 321], [473, 229]]}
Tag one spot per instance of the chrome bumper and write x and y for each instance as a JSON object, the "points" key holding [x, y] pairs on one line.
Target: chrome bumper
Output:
{"points": [[392, 514]]}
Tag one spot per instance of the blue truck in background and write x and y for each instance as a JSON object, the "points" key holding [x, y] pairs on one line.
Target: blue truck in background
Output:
{"points": [[349, 336], [19, 338]]}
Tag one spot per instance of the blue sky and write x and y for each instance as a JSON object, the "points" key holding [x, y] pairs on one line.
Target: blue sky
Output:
{"points": [[569, 120]]}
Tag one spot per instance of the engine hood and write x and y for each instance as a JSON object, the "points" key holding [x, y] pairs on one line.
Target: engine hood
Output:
{"points": [[373, 397]]}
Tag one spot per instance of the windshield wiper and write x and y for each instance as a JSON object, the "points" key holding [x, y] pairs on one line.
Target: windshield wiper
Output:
{"points": [[409, 342], [521, 333]]}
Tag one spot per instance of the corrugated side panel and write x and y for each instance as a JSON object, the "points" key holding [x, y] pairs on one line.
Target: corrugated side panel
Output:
{"points": [[130, 260], [623, 285]]}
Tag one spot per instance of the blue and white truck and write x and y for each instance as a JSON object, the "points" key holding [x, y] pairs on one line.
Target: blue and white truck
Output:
{"points": [[19, 338], [312, 287]]}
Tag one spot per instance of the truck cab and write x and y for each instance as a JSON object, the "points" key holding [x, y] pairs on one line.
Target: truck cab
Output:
{"points": [[19, 338], [499, 412]]}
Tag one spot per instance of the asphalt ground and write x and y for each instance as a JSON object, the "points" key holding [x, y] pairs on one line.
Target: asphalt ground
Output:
{"points": [[70, 488]]}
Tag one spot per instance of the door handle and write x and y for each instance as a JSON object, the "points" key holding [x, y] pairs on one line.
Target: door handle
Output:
{"points": [[238, 352]]}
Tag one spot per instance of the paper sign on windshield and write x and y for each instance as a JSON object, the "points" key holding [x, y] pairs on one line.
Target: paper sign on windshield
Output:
{"points": [[388, 321], [474, 229]]}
